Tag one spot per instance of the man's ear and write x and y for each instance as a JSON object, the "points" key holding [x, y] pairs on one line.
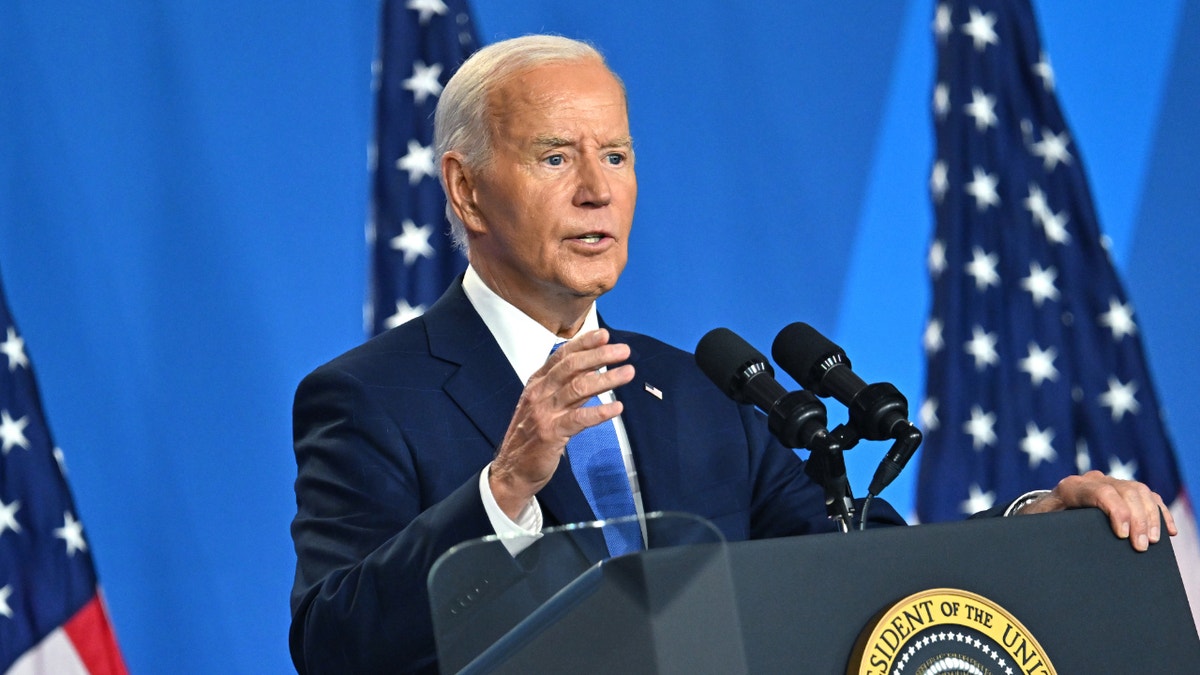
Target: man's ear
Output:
{"points": [[459, 180]]}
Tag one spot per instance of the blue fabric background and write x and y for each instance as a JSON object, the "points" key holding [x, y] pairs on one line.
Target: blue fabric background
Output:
{"points": [[183, 195]]}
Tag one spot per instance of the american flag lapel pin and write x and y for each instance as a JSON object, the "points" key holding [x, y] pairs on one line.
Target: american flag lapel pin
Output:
{"points": [[653, 391]]}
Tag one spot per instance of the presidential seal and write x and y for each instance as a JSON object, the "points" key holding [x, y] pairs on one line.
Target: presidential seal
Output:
{"points": [[945, 631]]}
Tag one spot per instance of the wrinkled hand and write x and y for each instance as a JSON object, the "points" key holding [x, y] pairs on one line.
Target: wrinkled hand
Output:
{"points": [[551, 410], [1133, 509]]}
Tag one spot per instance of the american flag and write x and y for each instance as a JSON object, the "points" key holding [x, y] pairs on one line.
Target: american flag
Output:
{"points": [[1035, 364], [52, 617], [422, 43]]}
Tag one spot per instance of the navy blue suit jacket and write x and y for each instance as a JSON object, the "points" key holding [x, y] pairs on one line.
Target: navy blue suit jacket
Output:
{"points": [[390, 439]]}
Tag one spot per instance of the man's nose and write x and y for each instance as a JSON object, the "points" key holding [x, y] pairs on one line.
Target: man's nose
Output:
{"points": [[593, 188]]}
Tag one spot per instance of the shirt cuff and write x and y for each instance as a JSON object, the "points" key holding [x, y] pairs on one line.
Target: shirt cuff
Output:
{"points": [[515, 535], [1023, 501]]}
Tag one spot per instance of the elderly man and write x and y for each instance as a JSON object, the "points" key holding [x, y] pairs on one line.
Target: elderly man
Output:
{"points": [[456, 425]]}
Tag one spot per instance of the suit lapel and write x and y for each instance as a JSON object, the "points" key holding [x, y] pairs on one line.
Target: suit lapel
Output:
{"points": [[484, 386], [646, 416], [486, 389]]}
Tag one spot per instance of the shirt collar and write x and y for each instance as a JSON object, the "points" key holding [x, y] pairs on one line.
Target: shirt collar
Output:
{"points": [[525, 342]]}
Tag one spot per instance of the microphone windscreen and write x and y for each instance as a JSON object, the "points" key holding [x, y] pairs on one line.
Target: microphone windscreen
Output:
{"points": [[800, 350], [723, 356]]}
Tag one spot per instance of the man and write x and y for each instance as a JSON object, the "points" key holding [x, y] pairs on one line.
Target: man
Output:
{"points": [[454, 425]]}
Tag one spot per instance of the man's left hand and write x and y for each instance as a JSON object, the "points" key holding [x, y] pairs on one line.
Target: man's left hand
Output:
{"points": [[1133, 509]]}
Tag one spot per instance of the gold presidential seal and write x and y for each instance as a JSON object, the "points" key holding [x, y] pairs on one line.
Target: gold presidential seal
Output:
{"points": [[945, 631]]}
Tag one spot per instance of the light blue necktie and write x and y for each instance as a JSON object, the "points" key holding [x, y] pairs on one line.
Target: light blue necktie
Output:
{"points": [[595, 457]]}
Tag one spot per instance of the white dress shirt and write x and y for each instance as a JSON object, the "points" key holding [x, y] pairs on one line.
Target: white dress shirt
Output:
{"points": [[527, 344]]}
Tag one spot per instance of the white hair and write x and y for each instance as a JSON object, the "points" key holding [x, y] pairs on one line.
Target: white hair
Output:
{"points": [[461, 120]]}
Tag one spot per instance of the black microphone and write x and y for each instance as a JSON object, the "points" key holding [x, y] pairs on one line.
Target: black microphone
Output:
{"points": [[878, 411], [822, 367], [797, 419]]}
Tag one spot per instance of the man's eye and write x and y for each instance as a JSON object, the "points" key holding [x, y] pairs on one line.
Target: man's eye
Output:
{"points": [[615, 158], [554, 160]]}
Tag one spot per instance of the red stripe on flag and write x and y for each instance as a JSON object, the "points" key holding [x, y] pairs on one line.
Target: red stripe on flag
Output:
{"points": [[92, 634]]}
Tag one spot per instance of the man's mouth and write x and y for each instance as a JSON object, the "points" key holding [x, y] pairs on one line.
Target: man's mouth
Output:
{"points": [[591, 238]]}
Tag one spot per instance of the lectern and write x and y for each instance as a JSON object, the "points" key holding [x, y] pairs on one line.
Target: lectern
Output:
{"points": [[1055, 587]]}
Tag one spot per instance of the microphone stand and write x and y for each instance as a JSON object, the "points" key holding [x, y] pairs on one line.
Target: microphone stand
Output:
{"points": [[827, 467], [798, 420]]}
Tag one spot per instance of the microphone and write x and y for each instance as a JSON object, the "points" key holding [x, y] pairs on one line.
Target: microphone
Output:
{"points": [[822, 367], [877, 411], [797, 419]]}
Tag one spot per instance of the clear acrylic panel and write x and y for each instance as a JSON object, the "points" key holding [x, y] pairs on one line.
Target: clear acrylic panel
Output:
{"points": [[558, 602]]}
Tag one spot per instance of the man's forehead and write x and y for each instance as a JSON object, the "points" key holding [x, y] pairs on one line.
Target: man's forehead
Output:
{"points": [[555, 84], [560, 103]]}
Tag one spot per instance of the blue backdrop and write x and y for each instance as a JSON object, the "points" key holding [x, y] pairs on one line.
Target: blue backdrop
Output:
{"points": [[183, 196]]}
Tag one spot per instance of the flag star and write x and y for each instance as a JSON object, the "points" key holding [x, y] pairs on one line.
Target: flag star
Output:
{"points": [[72, 533], [427, 8], [12, 432], [982, 29], [14, 348], [982, 346], [928, 415], [418, 162], [1037, 445], [8, 517], [983, 188], [983, 268], [414, 241], [941, 22], [404, 312], [1040, 284], [1119, 319], [5, 593], [936, 259], [941, 100], [982, 108], [978, 500], [1120, 398], [424, 81], [932, 339], [1083, 458], [1044, 70], [981, 428], [1040, 364], [1122, 471], [1055, 226], [939, 181], [1036, 204], [1052, 149], [60, 459]]}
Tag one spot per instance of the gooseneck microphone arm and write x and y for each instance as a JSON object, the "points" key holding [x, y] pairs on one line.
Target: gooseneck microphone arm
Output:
{"points": [[797, 419]]}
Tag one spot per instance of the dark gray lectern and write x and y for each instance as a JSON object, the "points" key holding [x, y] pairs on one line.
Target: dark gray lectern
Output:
{"points": [[799, 604]]}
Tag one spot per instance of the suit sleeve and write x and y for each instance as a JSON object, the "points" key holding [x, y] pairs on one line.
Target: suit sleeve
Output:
{"points": [[365, 540]]}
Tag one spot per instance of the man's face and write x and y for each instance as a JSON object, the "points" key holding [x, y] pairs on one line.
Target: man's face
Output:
{"points": [[555, 204]]}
